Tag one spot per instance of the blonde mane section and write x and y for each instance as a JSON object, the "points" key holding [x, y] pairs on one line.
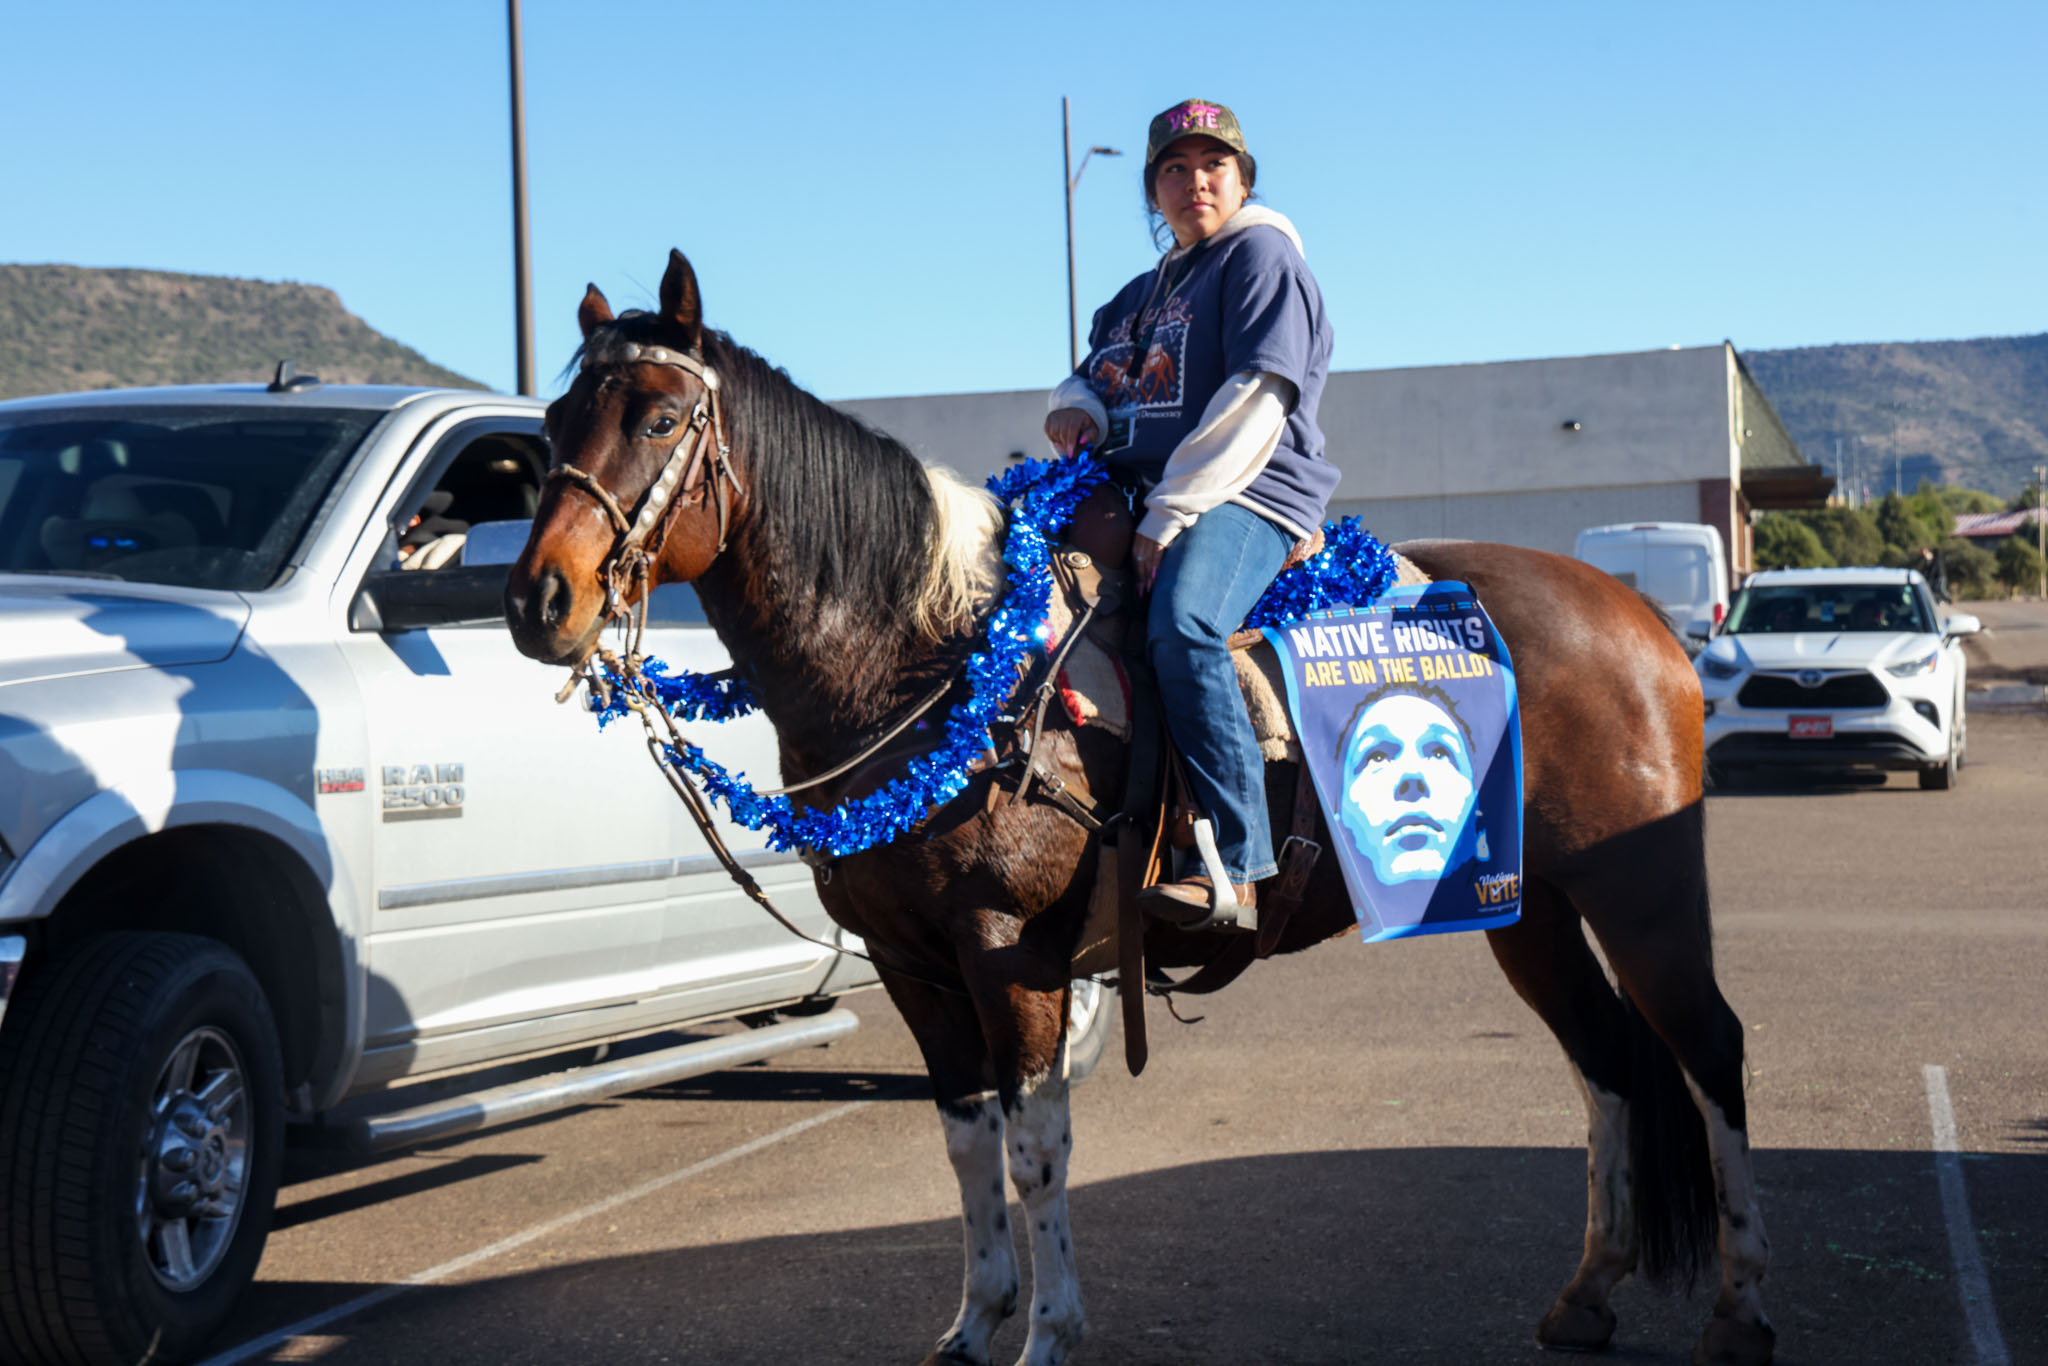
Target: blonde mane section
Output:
{"points": [[966, 560]]}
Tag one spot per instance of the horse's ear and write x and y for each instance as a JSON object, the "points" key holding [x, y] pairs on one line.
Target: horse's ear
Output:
{"points": [[680, 305], [594, 312]]}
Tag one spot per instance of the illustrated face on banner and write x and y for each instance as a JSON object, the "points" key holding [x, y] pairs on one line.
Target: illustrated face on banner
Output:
{"points": [[1408, 785]]}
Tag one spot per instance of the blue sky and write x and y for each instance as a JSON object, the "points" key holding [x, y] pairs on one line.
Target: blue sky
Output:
{"points": [[871, 193]]}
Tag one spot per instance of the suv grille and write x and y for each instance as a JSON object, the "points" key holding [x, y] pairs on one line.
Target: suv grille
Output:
{"points": [[1857, 689]]}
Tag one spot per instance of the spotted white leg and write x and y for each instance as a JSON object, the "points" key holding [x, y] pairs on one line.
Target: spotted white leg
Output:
{"points": [[1040, 1140], [1582, 1318], [1739, 1330], [988, 1294]]}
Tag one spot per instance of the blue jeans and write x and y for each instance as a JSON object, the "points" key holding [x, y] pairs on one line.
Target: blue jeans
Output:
{"points": [[1211, 575]]}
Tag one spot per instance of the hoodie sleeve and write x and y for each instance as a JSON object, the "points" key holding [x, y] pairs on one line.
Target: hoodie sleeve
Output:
{"points": [[1074, 392], [1223, 454]]}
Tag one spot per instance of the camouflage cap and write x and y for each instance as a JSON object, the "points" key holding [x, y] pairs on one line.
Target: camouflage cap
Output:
{"points": [[1191, 117]]}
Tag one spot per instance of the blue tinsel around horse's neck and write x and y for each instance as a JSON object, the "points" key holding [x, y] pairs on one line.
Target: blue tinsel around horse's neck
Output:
{"points": [[1040, 497]]}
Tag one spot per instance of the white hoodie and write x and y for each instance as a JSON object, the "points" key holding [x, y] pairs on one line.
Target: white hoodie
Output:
{"points": [[1237, 434]]}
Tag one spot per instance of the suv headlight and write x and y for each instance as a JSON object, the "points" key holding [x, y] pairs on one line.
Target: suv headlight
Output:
{"points": [[1921, 665], [1718, 668]]}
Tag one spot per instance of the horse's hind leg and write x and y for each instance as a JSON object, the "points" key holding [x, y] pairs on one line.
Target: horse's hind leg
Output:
{"points": [[949, 1034], [1662, 954], [1547, 959]]}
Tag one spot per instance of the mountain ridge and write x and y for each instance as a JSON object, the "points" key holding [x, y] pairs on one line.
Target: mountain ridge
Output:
{"points": [[68, 328]]}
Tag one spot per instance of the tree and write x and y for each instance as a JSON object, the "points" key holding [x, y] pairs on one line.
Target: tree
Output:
{"points": [[1928, 504], [2028, 496], [1972, 570], [2019, 564], [1849, 535], [1962, 501], [1904, 528], [1784, 543]]}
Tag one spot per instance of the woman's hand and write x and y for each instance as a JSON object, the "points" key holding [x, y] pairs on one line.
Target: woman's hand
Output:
{"points": [[1145, 556], [1069, 429]]}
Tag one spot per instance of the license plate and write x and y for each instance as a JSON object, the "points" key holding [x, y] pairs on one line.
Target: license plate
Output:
{"points": [[1810, 727]]}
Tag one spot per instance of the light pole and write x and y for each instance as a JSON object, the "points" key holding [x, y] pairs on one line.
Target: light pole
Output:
{"points": [[522, 263], [2041, 522], [1072, 178], [1895, 408]]}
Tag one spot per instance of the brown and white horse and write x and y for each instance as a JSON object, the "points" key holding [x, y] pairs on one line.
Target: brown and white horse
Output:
{"points": [[845, 581]]}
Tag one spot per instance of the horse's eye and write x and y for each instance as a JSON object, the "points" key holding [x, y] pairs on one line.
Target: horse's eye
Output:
{"points": [[662, 426]]}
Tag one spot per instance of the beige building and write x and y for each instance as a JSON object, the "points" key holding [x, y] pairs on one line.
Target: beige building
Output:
{"points": [[1526, 452]]}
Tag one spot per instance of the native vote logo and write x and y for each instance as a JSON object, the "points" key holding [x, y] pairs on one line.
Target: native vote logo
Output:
{"points": [[1194, 116]]}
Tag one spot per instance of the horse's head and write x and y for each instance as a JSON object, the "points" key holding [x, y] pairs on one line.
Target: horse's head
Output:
{"points": [[642, 490]]}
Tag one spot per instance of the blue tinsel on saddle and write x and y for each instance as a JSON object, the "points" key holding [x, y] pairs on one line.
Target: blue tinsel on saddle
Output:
{"points": [[1040, 495]]}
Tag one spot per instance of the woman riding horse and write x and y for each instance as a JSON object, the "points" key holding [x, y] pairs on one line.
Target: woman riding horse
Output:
{"points": [[1228, 455], [847, 581]]}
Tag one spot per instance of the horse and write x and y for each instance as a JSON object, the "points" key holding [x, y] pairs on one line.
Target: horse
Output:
{"points": [[846, 580]]}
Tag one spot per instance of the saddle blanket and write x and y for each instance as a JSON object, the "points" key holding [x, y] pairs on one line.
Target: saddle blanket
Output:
{"points": [[1406, 715]]}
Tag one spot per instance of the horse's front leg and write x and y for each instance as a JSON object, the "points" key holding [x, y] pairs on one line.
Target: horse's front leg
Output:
{"points": [[988, 1293], [948, 1033], [1041, 1137]]}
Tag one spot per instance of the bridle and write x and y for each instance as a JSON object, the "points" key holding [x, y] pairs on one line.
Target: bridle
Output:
{"points": [[699, 465]]}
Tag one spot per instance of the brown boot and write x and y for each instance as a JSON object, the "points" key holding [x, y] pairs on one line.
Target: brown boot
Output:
{"points": [[1187, 901]]}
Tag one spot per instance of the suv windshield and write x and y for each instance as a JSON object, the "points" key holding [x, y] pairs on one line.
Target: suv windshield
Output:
{"points": [[1785, 608], [188, 496]]}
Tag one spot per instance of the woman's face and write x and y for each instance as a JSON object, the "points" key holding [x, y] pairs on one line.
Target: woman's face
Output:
{"points": [[1197, 187], [1407, 787]]}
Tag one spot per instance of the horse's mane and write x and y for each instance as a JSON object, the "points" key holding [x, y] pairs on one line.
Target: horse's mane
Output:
{"points": [[852, 515]]}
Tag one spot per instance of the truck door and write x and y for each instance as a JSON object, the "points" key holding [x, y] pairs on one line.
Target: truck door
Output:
{"points": [[534, 881]]}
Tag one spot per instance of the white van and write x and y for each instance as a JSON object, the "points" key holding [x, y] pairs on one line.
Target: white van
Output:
{"points": [[1680, 566]]}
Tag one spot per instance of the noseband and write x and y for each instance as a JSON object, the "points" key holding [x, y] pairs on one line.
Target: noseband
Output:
{"points": [[699, 465]]}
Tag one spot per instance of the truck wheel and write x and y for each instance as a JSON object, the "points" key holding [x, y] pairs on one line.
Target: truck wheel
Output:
{"points": [[141, 1140], [1091, 1019]]}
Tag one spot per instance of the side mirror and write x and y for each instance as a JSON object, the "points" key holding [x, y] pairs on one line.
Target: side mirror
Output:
{"points": [[1961, 624], [414, 599], [1700, 627]]}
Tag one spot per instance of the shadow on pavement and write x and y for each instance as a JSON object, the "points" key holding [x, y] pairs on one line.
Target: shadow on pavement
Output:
{"points": [[1443, 1255]]}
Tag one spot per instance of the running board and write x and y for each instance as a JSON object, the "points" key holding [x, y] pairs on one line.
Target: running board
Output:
{"points": [[581, 1085]]}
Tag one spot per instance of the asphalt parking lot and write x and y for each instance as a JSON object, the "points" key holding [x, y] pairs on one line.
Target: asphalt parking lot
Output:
{"points": [[1360, 1154]]}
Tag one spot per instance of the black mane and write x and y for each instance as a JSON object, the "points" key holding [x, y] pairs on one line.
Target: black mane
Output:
{"points": [[846, 510]]}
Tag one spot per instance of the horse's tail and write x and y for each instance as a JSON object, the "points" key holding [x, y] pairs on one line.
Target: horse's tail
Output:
{"points": [[1671, 1169]]}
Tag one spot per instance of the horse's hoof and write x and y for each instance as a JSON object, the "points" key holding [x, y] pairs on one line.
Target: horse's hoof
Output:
{"points": [[1730, 1342], [1570, 1327], [942, 1357]]}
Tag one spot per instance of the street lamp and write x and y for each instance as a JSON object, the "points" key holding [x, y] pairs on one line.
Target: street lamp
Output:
{"points": [[522, 259], [1895, 408], [1072, 176]]}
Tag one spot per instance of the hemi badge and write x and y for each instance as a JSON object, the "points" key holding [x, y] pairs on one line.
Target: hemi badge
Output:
{"points": [[338, 779]]}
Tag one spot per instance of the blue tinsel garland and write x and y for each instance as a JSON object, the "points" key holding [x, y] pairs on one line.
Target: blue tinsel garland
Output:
{"points": [[1040, 496]]}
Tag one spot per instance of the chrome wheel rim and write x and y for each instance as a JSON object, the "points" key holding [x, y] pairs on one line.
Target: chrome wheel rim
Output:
{"points": [[194, 1168]]}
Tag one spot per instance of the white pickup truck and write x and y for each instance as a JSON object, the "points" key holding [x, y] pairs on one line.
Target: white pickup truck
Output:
{"points": [[284, 822]]}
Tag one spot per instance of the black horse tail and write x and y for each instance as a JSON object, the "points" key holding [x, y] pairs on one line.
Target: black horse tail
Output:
{"points": [[1671, 1168]]}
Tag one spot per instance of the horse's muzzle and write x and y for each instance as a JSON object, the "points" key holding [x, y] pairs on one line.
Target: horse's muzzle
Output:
{"points": [[540, 610]]}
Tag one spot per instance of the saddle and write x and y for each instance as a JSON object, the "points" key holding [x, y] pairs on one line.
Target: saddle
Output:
{"points": [[1095, 655]]}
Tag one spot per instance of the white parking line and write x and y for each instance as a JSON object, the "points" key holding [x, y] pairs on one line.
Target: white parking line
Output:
{"points": [[1971, 1282], [314, 1323]]}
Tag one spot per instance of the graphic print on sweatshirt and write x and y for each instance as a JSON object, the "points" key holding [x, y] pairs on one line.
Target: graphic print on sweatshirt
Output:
{"points": [[1158, 383]]}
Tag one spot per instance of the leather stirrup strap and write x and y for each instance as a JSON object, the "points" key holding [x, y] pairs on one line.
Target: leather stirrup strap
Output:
{"points": [[1237, 954], [1282, 898]]}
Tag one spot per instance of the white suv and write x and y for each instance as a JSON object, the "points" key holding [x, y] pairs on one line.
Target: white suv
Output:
{"points": [[1837, 668]]}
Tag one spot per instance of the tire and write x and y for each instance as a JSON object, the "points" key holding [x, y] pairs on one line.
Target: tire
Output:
{"points": [[128, 1063], [1091, 1019], [1942, 776]]}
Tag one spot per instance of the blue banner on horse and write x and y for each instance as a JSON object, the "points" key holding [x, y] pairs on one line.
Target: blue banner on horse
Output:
{"points": [[1407, 717]]}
